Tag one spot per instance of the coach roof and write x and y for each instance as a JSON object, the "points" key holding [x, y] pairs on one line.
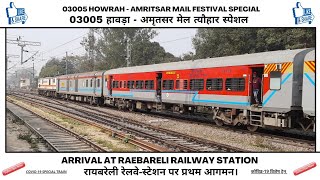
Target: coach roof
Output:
{"points": [[245, 59], [85, 74]]}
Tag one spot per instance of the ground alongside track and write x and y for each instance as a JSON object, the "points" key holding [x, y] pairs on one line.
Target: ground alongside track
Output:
{"points": [[20, 139], [92, 134], [250, 142]]}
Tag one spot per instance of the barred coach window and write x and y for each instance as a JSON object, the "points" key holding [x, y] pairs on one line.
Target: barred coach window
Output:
{"points": [[177, 84], [139, 84], [167, 84], [98, 82], [185, 84], [235, 84], [196, 84], [214, 84], [149, 84], [130, 84], [115, 84]]}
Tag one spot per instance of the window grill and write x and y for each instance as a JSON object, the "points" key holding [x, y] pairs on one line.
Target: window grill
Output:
{"points": [[196, 84], [98, 82], [115, 84], [177, 84], [131, 84], [214, 84], [167, 84], [235, 84], [185, 84], [149, 84], [139, 84]]}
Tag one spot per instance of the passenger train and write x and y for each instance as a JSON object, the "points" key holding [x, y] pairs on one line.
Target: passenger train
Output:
{"points": [[220, 88]]}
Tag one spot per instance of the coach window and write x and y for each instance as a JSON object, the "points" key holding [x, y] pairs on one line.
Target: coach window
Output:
{"points": [[98, 82], [214, 84], [275, 80], [149, 84], [196, 84], [87, 83], [235, 84], [120, 84], [70, 83], [185, 84], [130, 84], [139, 84], [115, 84], [167, 84], [177, 84], [91, 82], [124, 84]]}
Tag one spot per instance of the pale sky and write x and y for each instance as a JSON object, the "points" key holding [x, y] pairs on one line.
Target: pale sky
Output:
{"points": [[55, 42]]}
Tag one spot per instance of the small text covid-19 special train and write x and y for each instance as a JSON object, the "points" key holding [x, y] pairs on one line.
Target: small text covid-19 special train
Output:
{"points": [[220, 88]]}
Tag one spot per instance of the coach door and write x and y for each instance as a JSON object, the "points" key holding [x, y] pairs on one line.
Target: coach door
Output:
{"points": [[76, 84], [158, 87], [58, 86], [110, 79], [68, 82], [258, 72], [93, 85]]}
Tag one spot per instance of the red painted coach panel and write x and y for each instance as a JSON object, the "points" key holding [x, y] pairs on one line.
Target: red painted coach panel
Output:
{"points": [[133, 77], [211, 73]]}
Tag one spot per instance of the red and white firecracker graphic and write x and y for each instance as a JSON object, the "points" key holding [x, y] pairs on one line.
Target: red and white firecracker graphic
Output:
{"points": [[304, 168], [13, 168]]}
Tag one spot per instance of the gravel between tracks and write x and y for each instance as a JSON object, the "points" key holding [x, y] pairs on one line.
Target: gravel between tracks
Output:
{"points": [[236, 139], [244, 141], [94, 134]]}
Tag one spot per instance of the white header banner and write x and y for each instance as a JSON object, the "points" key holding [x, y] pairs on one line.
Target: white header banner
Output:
{"points": [[158, 13]]}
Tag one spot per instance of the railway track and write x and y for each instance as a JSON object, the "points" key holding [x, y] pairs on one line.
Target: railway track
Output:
{"points": [[271, 135], [58, 138], [305, 142], [172, 140]]}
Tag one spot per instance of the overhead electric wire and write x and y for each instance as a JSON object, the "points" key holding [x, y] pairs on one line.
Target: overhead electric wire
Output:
{"points": [[176, 39], [64, 43]]}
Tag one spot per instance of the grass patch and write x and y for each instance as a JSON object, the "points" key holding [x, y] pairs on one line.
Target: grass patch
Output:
{"points": [[115, 148], [103, 131], [98, 135], [260, 142], [84, 134], [28, 137]]}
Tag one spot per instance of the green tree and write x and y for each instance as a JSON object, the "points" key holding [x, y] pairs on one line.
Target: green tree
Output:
{"points": [[188, 56], [56, 67], [216, 42], [110, 47]]}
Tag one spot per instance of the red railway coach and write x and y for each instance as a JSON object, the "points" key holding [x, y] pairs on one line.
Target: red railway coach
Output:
{"points": [[222, 88]]}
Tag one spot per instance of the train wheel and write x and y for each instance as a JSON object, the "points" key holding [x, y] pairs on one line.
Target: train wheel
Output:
{"points": [[252, 128], [91, 100], [132, 107], [218, 122]]}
